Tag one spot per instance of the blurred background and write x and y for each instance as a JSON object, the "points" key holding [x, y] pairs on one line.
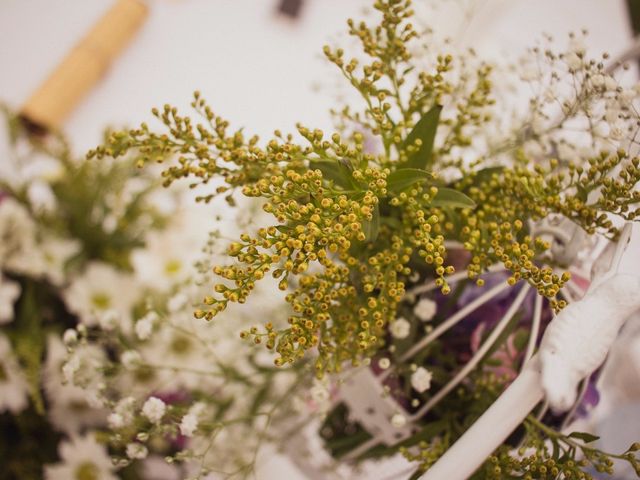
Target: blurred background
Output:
{"points": [[259, 63]]}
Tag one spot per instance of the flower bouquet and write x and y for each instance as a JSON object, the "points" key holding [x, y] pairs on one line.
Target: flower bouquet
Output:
{"points": [[421, 250], [425, 245]]}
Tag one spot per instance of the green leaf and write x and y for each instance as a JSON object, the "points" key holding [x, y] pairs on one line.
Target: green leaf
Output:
{"points": [[338, 172], [405, 177], [584, 436], [448, 197], [371, 228], [425, 130]]}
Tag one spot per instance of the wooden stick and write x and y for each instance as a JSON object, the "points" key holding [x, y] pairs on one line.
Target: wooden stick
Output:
{"points": [[84, 66]]}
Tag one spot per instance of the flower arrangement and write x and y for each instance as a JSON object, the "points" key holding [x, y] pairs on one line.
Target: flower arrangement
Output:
{"points": [[421, 249], [101, 373]]}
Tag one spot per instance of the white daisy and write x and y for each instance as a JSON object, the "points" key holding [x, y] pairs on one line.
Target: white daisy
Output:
{"points": [[101, 291], [14, 390], [168, 257], [83, 458]]}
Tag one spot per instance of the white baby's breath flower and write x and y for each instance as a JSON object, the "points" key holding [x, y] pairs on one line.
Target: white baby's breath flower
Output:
{"points": [[398, 420], [384, 363], [70, 337], [137, 451], [144, 326], [130, 359], [400, 328], [421, 380], [9, 293], [115, 421], [154, 409], [188, 424], [425, 309]]}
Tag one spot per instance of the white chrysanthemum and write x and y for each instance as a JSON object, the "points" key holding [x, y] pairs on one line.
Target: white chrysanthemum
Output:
{"points": [[70, 407], [425, 309], [14, 390], [9, 293], [421, 379], [400, 328], [154, 409], [101, 290], [82, 458]]}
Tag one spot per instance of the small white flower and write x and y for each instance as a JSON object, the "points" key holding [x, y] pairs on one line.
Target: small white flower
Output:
{"points": [[398, 420], [154, 409], [400, 328], [136, 451], [115, 420], [384, 363], [70, 337], [610, 83], [9, 293], [144, 326], [189, 424], [81, 457], [130, 359], [421, 379], [425, 309], [177, 302]]}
